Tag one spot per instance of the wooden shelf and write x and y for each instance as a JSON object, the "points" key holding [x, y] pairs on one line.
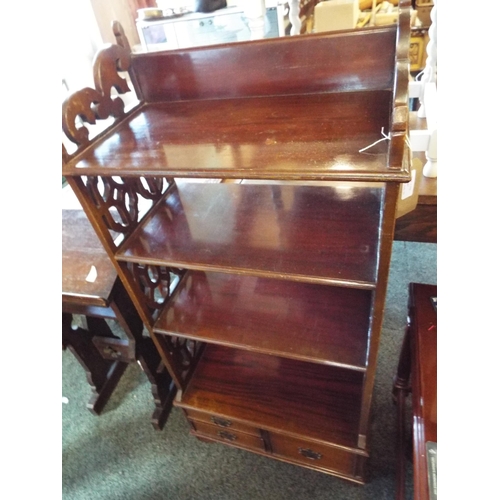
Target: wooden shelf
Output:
{"points": [[277, 394], [275, 137], [265, 230], [272, 317]]}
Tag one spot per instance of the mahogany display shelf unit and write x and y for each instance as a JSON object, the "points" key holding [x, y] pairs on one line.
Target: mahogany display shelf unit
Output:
{"points": [[256, 219], [92, 289]]}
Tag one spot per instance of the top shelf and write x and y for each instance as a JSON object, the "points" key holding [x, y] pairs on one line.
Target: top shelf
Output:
{"points": [[293, 137]]}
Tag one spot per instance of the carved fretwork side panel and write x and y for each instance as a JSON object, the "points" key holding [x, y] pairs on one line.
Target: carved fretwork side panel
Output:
{"points": [[156, 283], [115, 206], [121, 202], [182, 355]]}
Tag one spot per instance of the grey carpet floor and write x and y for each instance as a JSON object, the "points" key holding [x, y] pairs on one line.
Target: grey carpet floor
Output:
{"points": [[119, 456]]}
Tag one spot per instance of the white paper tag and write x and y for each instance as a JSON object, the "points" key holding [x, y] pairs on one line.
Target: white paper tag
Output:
{"points": [[92, 276], [407, 189]]}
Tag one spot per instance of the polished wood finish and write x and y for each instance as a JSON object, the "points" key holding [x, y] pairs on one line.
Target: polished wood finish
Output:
{"points": [[421, 223], [418, 225], [272, 264], [277, 394], [232, 437], [222, 423], [310, 454], [286, 67], [265, 230], [424, 382], [90, 287], [272, 316], [417, 373], [275, 137]]}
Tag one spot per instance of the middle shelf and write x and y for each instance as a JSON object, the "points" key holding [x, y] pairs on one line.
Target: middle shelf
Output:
{"points": [[317, 234], [304, 321]]}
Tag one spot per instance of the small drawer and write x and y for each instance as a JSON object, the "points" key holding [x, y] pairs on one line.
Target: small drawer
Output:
{"points": [[314, 455], [228, 436], [222, 422]]}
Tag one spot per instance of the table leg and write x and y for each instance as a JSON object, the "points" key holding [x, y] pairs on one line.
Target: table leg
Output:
{"points": [[102, 374]]}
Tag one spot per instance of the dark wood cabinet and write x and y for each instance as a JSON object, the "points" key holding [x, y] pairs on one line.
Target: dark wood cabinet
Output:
{"points": [[260, 263], [417, 373]]}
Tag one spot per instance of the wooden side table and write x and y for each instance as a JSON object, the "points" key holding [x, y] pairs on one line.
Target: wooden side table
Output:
{"points": [[417, 373], [90, 287], [421, 223]]}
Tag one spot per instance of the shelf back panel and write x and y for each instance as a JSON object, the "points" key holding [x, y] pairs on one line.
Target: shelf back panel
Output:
{"points": [[332, 62]]}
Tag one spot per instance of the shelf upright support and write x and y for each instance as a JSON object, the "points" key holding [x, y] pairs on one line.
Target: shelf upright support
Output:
{"points": [[399, 155]]}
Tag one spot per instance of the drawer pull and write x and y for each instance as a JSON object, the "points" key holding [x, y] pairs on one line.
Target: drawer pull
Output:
{"points": [[227, 435], [308, 453], [221, 422]]}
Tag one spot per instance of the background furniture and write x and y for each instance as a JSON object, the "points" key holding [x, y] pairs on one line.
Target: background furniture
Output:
{"points": [[264, 295], [91, 288], [417, 373], [421, 223], [197, 29]]}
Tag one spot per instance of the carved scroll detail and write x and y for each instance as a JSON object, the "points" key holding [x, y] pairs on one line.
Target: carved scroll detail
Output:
{"points": [[91, 104], [117, 198]]}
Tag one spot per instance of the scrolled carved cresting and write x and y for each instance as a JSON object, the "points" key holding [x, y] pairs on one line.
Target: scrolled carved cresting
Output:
{"points": [[116, 199], [91, 104]]}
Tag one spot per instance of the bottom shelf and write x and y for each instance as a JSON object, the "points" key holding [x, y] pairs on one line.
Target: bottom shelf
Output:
{"points": [[278, 394], [298, 412]]}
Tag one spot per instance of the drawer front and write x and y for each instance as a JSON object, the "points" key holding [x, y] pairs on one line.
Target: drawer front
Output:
{"points": [[314, 455], [222, 422], [228, 436]]}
